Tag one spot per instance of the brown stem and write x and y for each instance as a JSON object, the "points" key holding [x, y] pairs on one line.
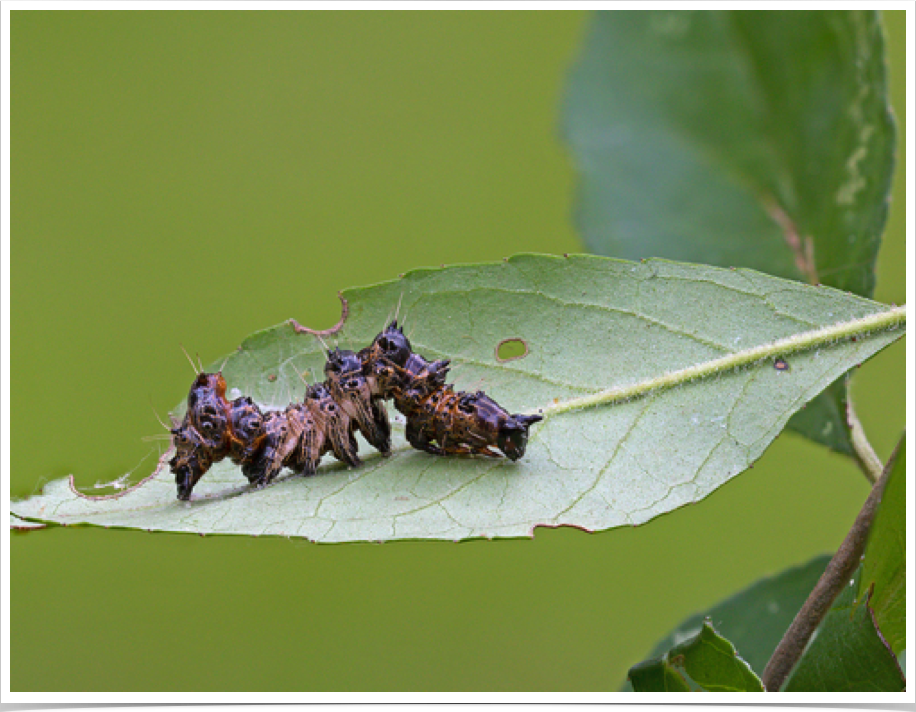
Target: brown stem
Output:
{"points": [[840, 569]]}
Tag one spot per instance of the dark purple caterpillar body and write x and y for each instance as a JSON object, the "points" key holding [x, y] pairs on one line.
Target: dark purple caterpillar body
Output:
{"points": [[440, 420]]}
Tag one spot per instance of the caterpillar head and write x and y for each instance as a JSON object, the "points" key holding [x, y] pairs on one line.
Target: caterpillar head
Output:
{"points": [[203, 435], [512, 438], [208, 410], [191, 460], [206, 385]]}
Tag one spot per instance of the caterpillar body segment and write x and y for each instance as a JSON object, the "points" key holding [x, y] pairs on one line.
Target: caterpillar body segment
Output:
{"points": [[352, 390], [440, 420]]}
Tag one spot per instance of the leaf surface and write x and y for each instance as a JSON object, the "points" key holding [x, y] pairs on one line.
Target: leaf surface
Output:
{"points": [[676, 362]]}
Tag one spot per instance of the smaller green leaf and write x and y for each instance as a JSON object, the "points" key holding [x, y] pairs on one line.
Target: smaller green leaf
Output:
{"points": [[754, 619], [657, 676], [846, 653], [884, 566], [708, 659]]}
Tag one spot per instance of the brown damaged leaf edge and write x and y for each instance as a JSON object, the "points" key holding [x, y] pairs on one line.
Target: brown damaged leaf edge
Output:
{"points": [[97, 497], [27, 525], [71, 482], [161, 465], [344, 313]]}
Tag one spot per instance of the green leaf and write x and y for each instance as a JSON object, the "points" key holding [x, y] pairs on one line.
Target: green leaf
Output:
{"points": [[656, 380], [708, 659], [884, 565], [656, 676], [846, 653], [724, 137], [754, 139], [754, 619]]}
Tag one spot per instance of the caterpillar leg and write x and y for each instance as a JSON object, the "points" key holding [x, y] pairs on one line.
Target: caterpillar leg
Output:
{"points": [[343, 442], [283, 431], [356, 391], [266, 469], [419, 439], [311, 448], [382, 443], [335, 423], [371, 419], [462, 448]]}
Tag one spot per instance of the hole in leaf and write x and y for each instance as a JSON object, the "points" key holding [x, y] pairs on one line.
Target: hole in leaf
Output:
{"points": [[511, 350]]}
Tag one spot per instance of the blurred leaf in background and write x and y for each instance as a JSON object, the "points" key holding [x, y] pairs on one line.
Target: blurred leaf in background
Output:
{"points": [[738, 138]]}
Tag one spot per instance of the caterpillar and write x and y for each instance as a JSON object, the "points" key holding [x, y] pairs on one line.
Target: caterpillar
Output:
{"points": [[439, 419]]}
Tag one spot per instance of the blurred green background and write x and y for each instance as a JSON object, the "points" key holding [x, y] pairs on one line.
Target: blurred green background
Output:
{"points": [[191, 177]]}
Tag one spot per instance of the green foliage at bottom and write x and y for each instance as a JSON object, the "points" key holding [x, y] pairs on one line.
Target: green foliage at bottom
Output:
{"points": [[707, 661]]}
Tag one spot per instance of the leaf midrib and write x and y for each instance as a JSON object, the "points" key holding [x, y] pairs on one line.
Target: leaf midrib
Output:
{"points": [[802, 341]]}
